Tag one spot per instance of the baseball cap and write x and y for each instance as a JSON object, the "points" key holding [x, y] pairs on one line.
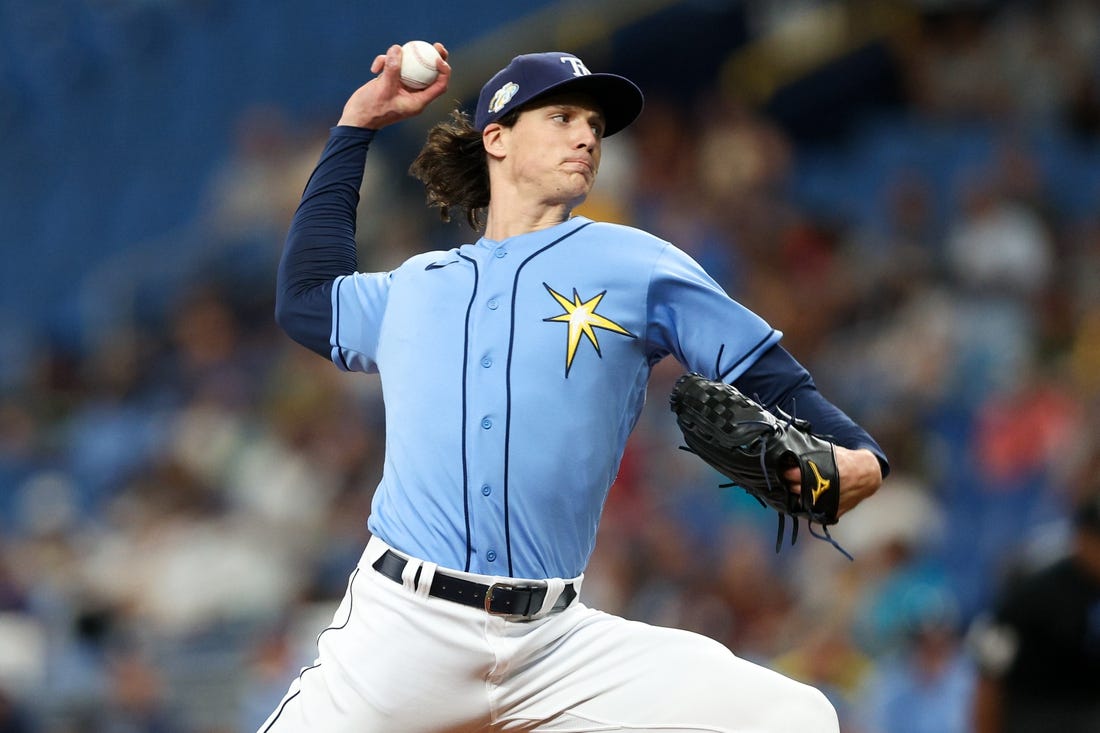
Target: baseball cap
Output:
{"points": [[534, 75]]}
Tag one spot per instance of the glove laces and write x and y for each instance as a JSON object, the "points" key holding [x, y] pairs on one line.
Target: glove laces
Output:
{"points": [[781, 529]]}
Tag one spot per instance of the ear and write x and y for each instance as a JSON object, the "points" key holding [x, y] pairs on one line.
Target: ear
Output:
{"points": [[493, 138]]}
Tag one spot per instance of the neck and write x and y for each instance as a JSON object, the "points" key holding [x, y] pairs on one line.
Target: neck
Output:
{"points": [[505, 221], [514, 211]]}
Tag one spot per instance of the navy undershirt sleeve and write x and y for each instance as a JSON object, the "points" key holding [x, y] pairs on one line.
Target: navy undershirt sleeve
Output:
{"points": [[778, 379], [320, 245]]}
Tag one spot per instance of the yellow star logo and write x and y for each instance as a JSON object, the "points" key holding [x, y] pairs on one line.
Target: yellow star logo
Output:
{"points": [[582, 319]]}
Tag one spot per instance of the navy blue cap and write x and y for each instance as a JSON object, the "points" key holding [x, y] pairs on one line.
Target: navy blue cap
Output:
{"points": [[534, 75]]}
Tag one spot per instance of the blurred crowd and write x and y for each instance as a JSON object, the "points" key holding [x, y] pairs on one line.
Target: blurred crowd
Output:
{"points": [[183, 497]]}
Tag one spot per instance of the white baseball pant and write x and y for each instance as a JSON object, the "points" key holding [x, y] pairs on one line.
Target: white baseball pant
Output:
{"points": [[396, 659]]}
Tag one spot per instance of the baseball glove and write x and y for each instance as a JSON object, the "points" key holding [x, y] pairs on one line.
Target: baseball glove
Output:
{"points": [[753, 447]]}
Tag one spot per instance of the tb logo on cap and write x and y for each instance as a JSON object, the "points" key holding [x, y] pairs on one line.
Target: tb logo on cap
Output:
{"points": [[579, 69]]}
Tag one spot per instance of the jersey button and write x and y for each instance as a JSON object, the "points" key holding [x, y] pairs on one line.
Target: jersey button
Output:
{"points": [[491, 555], [486, 423], [486, 362], [486, 490], [493, 304], [500, 253]]}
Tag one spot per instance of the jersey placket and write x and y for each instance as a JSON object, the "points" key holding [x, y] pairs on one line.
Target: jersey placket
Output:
{"points": [[487, 402]]}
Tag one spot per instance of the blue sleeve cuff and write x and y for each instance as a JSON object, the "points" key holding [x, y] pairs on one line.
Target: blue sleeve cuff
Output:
{"points": [[363, 133]]}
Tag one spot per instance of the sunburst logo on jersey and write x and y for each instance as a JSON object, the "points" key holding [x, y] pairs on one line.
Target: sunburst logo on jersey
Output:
{"points": [[582, 319]]}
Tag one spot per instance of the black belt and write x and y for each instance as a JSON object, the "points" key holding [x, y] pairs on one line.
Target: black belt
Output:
{"points": [[500, 599]]}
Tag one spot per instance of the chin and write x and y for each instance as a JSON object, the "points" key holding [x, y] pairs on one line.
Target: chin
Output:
{"points": [[580, 192], [568, 198]]}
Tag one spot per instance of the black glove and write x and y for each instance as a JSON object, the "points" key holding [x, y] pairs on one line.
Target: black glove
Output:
{"points": [[753, 447]]}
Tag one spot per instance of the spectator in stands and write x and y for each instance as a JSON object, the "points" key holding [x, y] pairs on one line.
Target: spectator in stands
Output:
{"points": [[1039, 653]]}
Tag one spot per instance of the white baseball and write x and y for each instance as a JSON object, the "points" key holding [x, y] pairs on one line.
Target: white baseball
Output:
{"points": [[418, 64]]}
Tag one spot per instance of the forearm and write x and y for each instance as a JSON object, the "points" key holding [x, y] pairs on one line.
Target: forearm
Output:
{"points": [[320, 245], [777, 379]]}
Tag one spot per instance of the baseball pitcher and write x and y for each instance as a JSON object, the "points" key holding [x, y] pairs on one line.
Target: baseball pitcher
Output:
{"points": [[513, 370]]}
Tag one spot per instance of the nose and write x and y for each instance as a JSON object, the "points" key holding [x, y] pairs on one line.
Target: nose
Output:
{"points": [[587, 138]]}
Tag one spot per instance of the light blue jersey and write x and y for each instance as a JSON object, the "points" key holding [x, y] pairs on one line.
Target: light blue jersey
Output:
{"points": [[513, 373]]}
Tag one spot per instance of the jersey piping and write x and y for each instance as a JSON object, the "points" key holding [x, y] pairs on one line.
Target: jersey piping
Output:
{"points": [[750, 353], [465, 373], [336, 326], [508, 388]]}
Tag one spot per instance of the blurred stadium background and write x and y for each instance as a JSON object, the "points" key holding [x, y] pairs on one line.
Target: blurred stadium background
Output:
{"points": [[907, 189]]}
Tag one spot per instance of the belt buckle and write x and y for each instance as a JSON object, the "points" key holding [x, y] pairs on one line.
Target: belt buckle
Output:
{"points": [[509, 586]]}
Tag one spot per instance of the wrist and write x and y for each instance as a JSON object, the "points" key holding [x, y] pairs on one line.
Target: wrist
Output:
{"points": [[353, 131]]}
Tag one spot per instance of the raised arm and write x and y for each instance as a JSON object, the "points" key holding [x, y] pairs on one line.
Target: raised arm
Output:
{"points": [[320, 245]]}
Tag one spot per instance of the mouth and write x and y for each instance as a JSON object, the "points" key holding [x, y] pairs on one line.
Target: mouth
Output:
{"points": [[583, 163]]}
